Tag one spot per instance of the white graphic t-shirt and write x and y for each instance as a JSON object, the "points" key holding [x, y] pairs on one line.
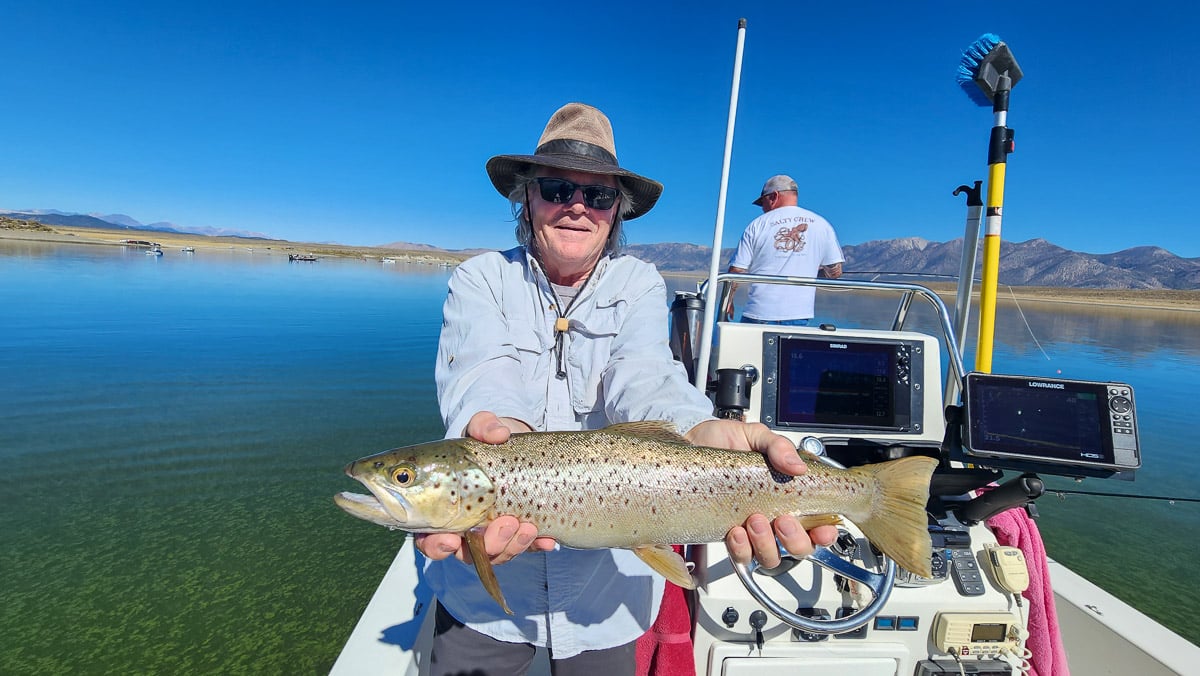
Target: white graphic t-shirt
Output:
{"points": [[788, 241]]}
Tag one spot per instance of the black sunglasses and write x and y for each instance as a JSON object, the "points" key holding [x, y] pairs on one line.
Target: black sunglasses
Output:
{"points": [[560, 191]]}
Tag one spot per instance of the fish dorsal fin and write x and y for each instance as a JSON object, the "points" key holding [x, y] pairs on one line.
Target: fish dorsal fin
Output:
{"points": [[483, 567], [667, 563], [658, 430]]}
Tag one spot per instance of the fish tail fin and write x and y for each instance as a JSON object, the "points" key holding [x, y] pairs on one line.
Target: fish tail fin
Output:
{"points": [[897, 524]]}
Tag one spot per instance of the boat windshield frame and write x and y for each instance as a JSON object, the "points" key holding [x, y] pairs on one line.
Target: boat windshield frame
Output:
{"points": [[908, 292]]}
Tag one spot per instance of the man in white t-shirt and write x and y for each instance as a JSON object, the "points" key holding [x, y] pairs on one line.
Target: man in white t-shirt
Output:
{"points": [[788, 241]]}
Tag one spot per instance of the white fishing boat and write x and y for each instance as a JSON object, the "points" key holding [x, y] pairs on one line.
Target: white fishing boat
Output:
{"points": [[877, 394], [967, 614]]}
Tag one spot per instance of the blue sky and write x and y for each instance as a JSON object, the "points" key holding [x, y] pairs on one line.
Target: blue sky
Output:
{"points": [[366, 123]]}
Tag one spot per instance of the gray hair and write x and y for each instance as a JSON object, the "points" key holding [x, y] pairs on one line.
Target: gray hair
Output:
{"points": [[524, 232]]}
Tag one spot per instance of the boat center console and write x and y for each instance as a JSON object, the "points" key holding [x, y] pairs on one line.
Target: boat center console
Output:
{"points": [[861, 396]]}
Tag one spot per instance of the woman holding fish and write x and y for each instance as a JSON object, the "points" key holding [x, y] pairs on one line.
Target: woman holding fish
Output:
{"points": [[562, 333]]}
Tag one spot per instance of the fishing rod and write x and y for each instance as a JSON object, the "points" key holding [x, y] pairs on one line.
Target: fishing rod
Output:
{"points": [[1061, 493]]}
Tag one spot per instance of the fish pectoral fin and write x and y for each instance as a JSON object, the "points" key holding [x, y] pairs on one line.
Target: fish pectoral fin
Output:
{"points": [[811, 521], [483, 567], [667, 563], [659, 430], [807, 456]]}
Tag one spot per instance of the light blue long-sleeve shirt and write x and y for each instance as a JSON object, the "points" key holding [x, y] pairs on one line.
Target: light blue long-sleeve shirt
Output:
{"points": [[497, 353]]}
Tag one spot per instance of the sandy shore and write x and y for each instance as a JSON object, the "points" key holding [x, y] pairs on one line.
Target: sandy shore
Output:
{"points": [[1162, 299], [170, 240]]}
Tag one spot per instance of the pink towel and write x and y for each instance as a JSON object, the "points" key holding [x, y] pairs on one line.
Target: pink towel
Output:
{"points": [[1014, 528], [666, 650]]}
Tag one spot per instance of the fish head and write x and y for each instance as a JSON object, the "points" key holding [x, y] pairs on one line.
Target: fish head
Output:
{"points": [[435, 487]]}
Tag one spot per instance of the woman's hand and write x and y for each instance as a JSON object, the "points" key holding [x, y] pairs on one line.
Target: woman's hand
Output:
{"points": [[504, 538], [757, 537]]}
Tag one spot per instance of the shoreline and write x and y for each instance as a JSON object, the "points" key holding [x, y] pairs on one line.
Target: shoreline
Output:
{"points": [[58, 234], [1172, 300], [1143, 299]]}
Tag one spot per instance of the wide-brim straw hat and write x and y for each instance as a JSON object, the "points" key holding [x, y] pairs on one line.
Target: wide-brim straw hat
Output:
{"points": [[580, 138]]}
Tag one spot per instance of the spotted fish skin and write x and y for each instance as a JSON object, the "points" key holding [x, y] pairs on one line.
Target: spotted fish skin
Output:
{"points": [[609, 489], [637, 485]]}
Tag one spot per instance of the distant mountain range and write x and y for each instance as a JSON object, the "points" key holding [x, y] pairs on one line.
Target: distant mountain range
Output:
{"points": [[1032, 263], [122, 222], [1036, 262]]}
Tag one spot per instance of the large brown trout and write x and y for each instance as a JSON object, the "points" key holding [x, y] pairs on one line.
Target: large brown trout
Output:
{"points": [[638, 486]]}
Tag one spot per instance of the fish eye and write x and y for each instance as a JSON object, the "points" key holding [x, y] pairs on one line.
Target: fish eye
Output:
{"points": [[404, 476]]}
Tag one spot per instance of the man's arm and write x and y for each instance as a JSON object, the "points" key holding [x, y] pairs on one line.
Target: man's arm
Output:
{"points": [[726, 312], [832, 271], [475, 367]]}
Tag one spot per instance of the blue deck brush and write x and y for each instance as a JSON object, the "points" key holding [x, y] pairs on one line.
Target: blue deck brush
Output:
{"points": [[982, 65], [969, 66]]}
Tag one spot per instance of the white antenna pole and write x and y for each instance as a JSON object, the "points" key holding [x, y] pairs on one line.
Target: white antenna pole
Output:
{"points": [[710, 300]]}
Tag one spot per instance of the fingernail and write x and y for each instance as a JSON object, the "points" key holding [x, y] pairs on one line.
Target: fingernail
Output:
{"points": [[758, 528], [524, 539]]}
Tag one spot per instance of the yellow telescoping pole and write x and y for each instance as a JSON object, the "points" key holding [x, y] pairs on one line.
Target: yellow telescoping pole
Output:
{"points": [[1000, 146]]}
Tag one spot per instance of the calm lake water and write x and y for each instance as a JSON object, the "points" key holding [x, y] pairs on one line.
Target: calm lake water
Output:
{"points": [[172, 431]]}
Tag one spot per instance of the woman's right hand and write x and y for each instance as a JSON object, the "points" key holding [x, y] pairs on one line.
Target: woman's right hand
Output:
{"points": [[505, 537]]}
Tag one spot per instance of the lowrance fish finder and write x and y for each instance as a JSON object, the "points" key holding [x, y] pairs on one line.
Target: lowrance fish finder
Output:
{"points": [[1061, 425]]}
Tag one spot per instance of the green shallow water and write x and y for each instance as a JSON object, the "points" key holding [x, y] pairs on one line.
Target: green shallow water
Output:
{"points": [[172, 432]]}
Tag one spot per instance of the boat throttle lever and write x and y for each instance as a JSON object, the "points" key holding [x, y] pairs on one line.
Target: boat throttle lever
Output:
{"points": [[1022, 490]]}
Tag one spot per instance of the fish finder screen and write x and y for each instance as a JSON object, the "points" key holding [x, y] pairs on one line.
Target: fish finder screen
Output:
{"points": [[1062, 423], [838, 384]]}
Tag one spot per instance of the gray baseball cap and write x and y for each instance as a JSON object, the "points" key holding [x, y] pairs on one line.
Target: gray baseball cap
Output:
{"points": [[779, 183]]}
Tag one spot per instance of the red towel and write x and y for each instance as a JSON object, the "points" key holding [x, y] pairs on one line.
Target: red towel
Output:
{"points": [[1014, 528], [666, 650]]}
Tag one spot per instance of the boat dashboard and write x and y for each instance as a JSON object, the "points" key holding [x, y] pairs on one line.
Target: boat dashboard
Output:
{"points": [[857, 397]]}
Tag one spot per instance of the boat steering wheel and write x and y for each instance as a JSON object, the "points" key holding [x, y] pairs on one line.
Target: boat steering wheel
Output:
{"points": [[880, 585]]}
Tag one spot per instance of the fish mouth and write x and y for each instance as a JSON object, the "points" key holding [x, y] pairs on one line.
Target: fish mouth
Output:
{"points": [[368, 508]]}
